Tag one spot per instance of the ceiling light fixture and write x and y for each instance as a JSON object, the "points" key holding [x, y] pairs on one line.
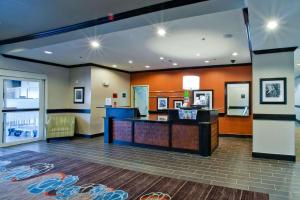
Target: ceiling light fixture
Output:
{"points": [[272, 25], [235, 54], [161, 32], [48, 52], [298, 64], [147, 66], [175, 64], [95, 44], [197, 54], [114, 66], [161, 58], [207, 61], [130, 61]]}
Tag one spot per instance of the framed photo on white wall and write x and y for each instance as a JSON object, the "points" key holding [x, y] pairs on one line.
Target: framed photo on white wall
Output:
{"points": [[78, 95], [273, 91]]}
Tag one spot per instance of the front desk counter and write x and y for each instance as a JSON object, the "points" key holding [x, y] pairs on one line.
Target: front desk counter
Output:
{"points": [[163, 131]]}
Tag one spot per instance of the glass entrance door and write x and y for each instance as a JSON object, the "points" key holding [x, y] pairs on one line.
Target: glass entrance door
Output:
{"points": [[22, 110]]}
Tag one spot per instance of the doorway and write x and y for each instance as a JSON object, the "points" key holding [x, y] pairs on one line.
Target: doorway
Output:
{"points": [[140, 98], [22, 110]]}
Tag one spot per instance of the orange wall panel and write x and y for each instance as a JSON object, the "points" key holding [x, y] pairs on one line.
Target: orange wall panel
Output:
{"points": [[210, 78]]}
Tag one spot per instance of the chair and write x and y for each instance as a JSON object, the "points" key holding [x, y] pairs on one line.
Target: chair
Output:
{"points": [[60, 126]]}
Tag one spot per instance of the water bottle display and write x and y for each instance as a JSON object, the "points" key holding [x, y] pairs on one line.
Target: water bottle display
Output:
{"points": [[22, 125]]}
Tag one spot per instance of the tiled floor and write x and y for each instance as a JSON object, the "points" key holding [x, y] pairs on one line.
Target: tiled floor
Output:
{"points": [[231, 165]]}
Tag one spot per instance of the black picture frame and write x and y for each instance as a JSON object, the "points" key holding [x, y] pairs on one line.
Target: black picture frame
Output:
{"points": [[249, 100], [175, 101], [205, 91], [262, 81], [76, 98], [158, 107]]}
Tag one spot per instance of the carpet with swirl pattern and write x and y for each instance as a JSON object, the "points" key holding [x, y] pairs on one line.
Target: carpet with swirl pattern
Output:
{"points": [[31, 175]]}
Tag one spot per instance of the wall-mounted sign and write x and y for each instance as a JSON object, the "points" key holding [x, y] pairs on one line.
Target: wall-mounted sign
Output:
{"points": [[108, 101]]}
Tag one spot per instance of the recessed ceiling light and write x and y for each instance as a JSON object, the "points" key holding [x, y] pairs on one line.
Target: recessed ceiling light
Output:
{"points": [[175, 64], [48, 52], [235, 54], [197, 54], [147, 66], [272, 25], [161, 58], [130, 61], [207, 61], [298, 64], [161, 32], [114, 66], [95, 44]]}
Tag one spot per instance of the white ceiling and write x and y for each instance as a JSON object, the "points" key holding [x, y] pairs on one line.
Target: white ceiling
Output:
{"points": [[23, 17], [286, 12], [141, 45]]}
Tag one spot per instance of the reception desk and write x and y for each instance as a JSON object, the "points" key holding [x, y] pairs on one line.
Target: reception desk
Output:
{"points": [[172, 131]]}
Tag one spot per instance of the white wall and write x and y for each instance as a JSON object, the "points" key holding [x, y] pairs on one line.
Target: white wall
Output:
{"points": [[58, 79], [297, 97], [273, 136]]}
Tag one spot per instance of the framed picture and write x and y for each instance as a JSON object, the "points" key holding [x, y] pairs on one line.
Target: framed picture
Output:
{"points": [[203, 98], [162, 103], [78, 95], [273, 91], [177, 104]]}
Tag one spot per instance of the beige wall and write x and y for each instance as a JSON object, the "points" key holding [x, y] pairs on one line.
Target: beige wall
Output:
{"points": [[81, 77], [118, 82], [274, 136], [57, 84], [60, 85]]}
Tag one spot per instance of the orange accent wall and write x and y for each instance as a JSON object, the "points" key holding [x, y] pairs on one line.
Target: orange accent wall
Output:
{"points": [[169, 84]]}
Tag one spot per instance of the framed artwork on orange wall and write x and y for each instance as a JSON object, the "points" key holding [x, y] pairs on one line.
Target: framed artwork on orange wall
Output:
{"points": [[162, 103]]}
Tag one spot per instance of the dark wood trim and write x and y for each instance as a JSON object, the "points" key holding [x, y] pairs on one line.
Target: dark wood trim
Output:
{"points": [[222, 114], [97, 65], [61, 65], [103, 20], [68, 110], [276, 117], [120, 70], [246, 20], [193, 67], [20, 110], [158, 111], [34, 61], [272, 79], [277, 50], [89, 135], [250, 95], [235, 135], [274, 156]]}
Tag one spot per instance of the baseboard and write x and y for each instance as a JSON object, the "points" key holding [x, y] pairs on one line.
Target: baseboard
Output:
{"points": [[274, 156], [89, 135], [235, 135]]}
